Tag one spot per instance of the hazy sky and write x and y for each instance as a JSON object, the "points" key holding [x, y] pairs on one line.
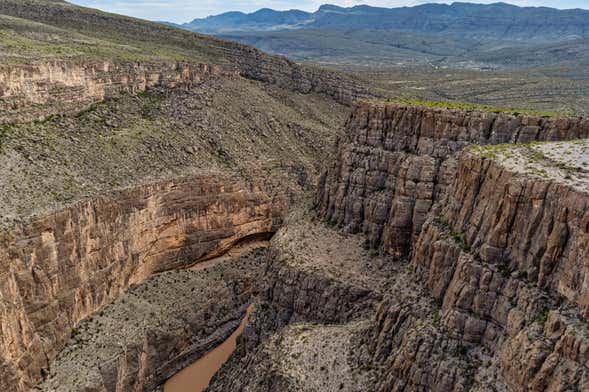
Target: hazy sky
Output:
{"points": [[186, 10]]}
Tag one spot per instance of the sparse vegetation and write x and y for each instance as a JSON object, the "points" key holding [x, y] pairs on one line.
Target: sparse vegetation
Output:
{"points": [[472, 106], [75, 333], [437, 318], [543, 317], [3, 134], [79, 34]]}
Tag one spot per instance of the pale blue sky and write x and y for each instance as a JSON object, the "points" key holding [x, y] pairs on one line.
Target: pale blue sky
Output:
{"points": [[186, 10]]}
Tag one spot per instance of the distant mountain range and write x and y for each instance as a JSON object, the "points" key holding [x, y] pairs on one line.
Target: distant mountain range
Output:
{"points": [[466, 34], [499, 20]]}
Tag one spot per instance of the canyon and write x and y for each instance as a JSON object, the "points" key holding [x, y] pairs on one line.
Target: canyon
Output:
{"points": [[152, 209], [478, 251]]}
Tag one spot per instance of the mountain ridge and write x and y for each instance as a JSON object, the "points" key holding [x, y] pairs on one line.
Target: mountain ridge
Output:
{"points": [[498, 20], [460, 35]]}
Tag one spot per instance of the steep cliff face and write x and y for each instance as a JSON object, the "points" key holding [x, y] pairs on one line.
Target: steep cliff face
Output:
{"points": [[167, 107], [315, 299], [505, 254], [257, 65], [41, 89], [74, 126], [158, 327], [35, 91], [395, 160], [495, 236], [60, 268]]}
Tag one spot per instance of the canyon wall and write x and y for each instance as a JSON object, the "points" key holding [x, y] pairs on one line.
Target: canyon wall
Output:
{"points": [[396, 159], [60, 268], [504, 254], [124, 33], [41, 89], [158, 327], [35, 91], [279, 70], [481, 285], [501, 255]]}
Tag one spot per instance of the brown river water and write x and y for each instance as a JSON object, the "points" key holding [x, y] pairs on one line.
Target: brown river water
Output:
{"points": [[196, 377]]}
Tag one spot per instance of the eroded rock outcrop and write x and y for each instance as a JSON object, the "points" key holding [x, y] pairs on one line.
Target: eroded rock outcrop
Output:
{"points": [[60, 268], [36, 91], [317, 281], [395, 160], [158, 327], [486, 291], [505, 255], [495, 236], [257, 65], [49, 83]]}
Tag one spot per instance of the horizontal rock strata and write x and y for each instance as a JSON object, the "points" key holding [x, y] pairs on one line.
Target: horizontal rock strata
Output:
{"points": [[35, 91], [503, 254], [487, 290], [395, 160], [60, 268], [498, 251]]}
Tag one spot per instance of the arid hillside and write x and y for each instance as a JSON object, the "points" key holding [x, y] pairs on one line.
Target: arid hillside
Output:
{"points": [[155, 184]]}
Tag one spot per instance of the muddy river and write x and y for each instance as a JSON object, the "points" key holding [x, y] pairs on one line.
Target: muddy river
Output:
{"points": [[196, 377]]}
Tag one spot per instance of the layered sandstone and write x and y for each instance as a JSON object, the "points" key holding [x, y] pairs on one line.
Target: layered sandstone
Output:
{"points": [[491, 293], [504, 254], [60, 268], [495, 236], [41, 89], [141, 54], [38, 90], [395, 160]]}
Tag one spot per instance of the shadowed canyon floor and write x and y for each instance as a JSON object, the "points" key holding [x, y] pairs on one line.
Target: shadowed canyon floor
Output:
{"points": [[157, 327]]}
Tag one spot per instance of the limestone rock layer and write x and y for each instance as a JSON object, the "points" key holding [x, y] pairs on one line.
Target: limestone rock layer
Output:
{"points": [[395, 160], [60, 268], [501, 253]]}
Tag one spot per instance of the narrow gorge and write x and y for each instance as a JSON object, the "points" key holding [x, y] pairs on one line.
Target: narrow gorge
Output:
{"points": [[462, 268], [158, 201]]}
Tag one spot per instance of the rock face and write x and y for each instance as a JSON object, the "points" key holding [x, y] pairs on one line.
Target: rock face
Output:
{"points": [[501, 253], [486, 291], [396, 160], [43, 87], [318, 282], [504, 255], [60, 268], [33, 92], [257, 65], [157, 327], [62, 265], [36, 91]]}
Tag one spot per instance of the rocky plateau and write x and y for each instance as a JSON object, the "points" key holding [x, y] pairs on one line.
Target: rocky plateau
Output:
{"points": [[147, 203]]}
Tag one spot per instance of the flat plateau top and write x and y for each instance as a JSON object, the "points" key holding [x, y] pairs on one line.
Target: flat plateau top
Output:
{"points": [[561, 162]]}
